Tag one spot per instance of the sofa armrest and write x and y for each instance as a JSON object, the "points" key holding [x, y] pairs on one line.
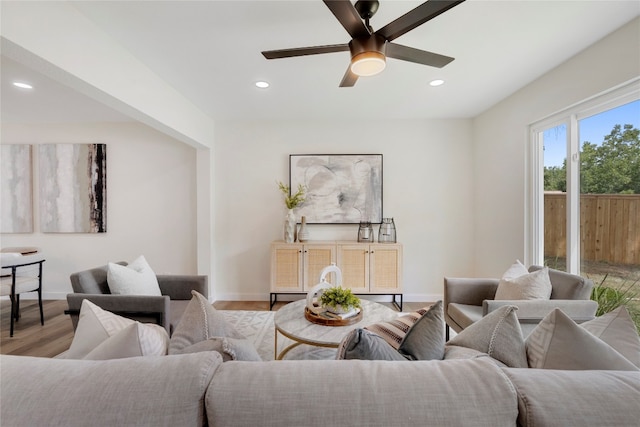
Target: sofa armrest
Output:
{"points": [[533, 311], [468, 291], [597, 397], [144, 308], [135, 391], [179, 287]]}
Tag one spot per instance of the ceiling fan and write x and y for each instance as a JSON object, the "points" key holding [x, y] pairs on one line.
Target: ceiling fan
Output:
{"points": [[370, 49]]}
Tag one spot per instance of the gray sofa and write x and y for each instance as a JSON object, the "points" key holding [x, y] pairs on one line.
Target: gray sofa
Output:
{"points": [[467, 300], [165, 310], [198, 389]]}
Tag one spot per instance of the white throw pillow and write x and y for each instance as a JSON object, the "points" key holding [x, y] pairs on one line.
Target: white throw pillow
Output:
{"points": [[101, 335], [517, 269], [518, 284], [136, 278]]}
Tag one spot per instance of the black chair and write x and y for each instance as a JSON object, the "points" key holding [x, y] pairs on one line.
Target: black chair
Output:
{"points": [[21, 274]]}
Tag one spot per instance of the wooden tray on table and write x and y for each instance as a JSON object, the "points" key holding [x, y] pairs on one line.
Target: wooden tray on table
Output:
{"points": [[322, 320]]}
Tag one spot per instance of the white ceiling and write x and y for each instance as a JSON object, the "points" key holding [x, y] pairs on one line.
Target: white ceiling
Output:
{"points": [[210, 52]]}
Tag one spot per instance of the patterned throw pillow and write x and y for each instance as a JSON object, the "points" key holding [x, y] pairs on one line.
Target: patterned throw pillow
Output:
{"points": [[617, 329], [395, 330], [558, 342]]}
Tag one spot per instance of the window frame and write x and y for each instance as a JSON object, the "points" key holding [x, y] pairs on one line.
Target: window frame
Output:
{"points": [[534, 169]]}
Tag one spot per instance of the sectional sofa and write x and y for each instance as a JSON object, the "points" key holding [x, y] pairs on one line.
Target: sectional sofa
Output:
{"points": [[198, 389]]}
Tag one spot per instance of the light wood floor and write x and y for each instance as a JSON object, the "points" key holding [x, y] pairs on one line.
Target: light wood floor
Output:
{"points": [[32, 339]]}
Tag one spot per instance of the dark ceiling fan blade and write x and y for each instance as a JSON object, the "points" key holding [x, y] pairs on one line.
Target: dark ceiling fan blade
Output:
{"points": [[416, 17], [348, 17], [301, 51], [349, 79], [418, 56]]}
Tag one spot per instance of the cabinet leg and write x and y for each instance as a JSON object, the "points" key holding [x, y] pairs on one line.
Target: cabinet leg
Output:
{"points": [[395, 303]]}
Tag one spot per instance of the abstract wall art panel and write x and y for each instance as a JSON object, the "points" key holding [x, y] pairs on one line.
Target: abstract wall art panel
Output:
{"points": [[15, 189], [73, 188], [341, 188]]}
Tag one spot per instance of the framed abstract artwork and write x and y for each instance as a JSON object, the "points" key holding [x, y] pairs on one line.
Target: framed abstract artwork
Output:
{"points": [[340, 188], [73, 188], [15, 188]]}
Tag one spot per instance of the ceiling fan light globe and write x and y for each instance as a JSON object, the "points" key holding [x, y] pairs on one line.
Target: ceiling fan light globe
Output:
{"points": [[368, 64]]}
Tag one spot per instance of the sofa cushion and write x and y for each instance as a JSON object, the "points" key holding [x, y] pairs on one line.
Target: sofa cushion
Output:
{"points": [[365, 345], [617, 329], [137, 278], [395, 330], [425, 339], [576, 398], [464, 314], [108, 335], [361, 393], [525, 286], [498, 334], [560, 343], [203, 328], [152, 391]]}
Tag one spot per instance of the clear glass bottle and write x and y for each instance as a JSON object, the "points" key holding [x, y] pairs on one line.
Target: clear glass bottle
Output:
{"points": [[365, 232], [387, 233]]}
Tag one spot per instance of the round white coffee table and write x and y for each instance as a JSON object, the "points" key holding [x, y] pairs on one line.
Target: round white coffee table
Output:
{"points": [[291, 323]]}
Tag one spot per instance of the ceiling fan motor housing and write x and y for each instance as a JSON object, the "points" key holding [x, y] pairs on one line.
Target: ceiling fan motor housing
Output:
{"points": [[372, 43], [368, 55]]}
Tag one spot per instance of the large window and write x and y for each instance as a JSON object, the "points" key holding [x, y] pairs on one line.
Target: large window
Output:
{"points": [[584, 189]]}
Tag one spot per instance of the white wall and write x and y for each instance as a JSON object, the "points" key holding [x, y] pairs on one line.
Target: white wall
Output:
{"points": [[427, 188], [500, 138], [151, 202]]}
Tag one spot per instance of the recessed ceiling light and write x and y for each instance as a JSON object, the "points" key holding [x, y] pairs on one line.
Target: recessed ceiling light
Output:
{"points": [[22, 85], [437, 82], [262, 85]]}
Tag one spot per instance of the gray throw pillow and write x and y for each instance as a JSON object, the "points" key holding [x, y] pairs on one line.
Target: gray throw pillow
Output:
{"points": [[365, 345], [229, 348], [201, 322], [425, 339], [499, 335]]}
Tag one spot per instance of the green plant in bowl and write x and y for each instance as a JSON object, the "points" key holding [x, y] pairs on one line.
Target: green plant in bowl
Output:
{"points": [[339, 300]]}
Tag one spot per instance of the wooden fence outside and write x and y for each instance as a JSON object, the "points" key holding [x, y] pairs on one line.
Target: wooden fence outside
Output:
{"points": [[609, 227]]}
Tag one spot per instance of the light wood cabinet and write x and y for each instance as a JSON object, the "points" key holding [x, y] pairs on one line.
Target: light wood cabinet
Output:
{"points": [[367, 268], [296, 267], [371, 268]]}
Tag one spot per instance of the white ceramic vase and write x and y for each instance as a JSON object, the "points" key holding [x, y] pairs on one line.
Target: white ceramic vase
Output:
{"points": [[303, 233], [290, 227]]}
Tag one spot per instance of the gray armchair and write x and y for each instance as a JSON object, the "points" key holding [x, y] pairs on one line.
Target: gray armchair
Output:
{"points": [[467, 300], [165, 310]]}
